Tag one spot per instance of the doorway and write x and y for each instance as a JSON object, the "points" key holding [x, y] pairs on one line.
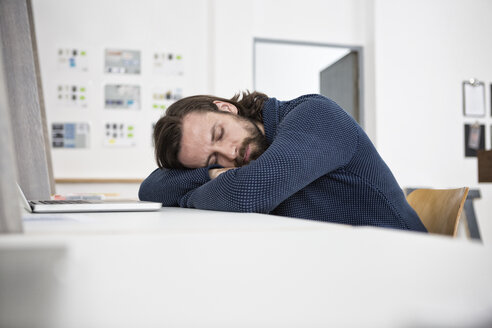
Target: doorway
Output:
{"points": [[288, 69]]}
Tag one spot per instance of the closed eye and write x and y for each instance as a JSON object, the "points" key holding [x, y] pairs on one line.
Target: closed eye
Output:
{"points": [[221, 134], [217, 135]]}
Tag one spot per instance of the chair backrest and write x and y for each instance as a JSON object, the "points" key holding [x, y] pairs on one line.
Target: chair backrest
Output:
{"points": [[439, 209]]}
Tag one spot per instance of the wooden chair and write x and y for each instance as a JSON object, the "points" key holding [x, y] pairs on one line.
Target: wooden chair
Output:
{"points": [[439, 209]]}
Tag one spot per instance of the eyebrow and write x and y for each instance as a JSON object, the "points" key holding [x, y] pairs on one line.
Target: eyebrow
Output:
{"points": [[214, 127]]}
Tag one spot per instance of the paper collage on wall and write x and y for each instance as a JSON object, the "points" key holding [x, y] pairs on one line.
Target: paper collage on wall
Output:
{"points": [[76, 89]]}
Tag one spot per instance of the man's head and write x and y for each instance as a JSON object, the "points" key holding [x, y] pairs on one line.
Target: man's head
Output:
{"points": [[202, 130]]}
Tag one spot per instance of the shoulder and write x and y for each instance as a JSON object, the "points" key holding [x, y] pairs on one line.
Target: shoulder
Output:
{"points": [[320, 120], [307, 112], [315, 107], [308, 104]]}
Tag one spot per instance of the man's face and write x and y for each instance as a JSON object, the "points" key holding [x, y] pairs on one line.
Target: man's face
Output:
{"points": [[219, 138]]}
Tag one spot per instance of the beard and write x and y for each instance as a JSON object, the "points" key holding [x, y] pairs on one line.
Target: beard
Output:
{"points": [[257, 143]]}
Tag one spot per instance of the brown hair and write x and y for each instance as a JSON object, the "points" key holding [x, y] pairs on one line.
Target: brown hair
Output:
{"points": [[167, 131]]}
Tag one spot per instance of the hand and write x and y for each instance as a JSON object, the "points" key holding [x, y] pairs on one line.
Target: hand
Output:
{"points": [[213, 173]]}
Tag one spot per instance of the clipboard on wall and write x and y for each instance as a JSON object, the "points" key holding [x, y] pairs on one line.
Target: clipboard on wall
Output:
{"points": [[474, 98]]}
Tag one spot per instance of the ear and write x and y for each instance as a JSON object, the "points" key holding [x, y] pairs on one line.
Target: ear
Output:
{"points": [[226, 107]]}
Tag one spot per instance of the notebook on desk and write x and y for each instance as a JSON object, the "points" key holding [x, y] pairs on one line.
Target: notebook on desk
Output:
{"points": [[73, 206]]}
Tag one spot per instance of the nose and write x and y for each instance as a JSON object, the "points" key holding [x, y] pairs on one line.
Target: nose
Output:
{"points": [[227, 151]]}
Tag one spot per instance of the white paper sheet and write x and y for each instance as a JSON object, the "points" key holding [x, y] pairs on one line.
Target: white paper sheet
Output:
{"points": [[474, 101]]}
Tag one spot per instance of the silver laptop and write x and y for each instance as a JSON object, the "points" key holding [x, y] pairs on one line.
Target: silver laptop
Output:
{"points": [[71, 206]]}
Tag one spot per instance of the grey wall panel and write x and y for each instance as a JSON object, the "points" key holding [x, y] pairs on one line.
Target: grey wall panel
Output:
{"points": [[23, 87], [42, 108], [10, 220]]}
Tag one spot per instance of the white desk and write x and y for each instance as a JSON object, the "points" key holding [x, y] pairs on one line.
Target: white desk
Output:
{"points": [[167, 220], [190, 268]]}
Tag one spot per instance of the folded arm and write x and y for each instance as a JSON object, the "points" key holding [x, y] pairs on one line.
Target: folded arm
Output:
{"points": [[169, 186]]}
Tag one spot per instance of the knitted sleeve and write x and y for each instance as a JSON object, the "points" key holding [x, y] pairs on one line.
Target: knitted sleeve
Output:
{"points": [[313, 139], [168, 186]]}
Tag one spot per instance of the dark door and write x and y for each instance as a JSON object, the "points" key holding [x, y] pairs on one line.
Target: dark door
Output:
{"points": [[340, 82]]}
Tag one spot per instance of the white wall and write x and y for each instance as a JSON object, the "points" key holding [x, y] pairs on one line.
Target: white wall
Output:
{"points": [[163, 26], [237, 22], [423, 51]]}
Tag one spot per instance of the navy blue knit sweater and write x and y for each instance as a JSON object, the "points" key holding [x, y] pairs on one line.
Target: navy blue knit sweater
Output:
{"points": [[320, 165]]}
